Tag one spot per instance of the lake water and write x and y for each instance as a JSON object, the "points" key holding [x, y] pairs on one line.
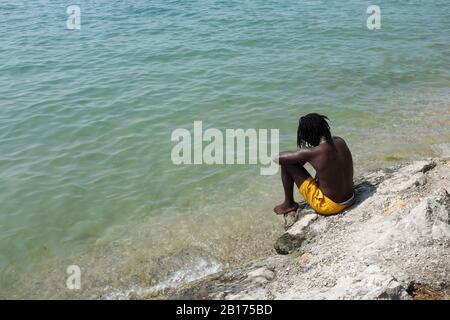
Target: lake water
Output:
{"points": [[86, 118]]}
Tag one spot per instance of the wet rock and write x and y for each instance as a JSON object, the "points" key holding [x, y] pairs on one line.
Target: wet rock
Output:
{"points": [[294, 236], [288, 243], [261, 275]]}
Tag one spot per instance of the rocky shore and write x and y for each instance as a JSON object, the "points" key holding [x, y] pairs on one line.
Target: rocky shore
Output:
{"points": [[394, 243]]}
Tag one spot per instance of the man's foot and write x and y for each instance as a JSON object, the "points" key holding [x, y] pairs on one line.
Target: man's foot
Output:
{"points": [[286, 207]]}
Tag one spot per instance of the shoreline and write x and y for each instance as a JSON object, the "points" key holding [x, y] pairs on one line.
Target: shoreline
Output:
{"points": [[392, 244], [300, 242]]}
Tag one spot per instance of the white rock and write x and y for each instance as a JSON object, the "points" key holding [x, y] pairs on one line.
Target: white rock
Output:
{"points": [[300, 226], [263, 273]]}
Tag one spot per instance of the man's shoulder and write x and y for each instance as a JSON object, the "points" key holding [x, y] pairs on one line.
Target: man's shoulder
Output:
{"points": [[339, 140]]}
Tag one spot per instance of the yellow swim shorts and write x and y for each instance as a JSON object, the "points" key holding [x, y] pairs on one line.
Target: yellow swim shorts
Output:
{"points": [[320, 202]]}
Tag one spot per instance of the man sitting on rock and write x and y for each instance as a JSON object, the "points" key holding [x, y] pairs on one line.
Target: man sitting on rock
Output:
{"points": [[332, 189]]}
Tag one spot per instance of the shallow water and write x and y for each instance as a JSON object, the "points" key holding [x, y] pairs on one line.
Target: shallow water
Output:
{"points": [[86, 118]]}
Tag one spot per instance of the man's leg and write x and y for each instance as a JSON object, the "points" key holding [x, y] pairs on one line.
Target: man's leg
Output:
{"points": [[289, 175]]}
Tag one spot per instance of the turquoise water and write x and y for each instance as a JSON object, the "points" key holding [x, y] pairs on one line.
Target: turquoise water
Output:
{"points": [[86, 118]]}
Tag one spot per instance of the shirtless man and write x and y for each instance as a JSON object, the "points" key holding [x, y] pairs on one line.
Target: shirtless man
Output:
{"points": [[332, 189]]}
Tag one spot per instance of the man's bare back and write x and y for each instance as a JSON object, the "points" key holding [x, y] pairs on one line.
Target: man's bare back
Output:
{"points": [[334, 169], [332, 189]]}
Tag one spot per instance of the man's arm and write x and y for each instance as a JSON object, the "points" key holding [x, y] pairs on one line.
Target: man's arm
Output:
{"points": [[299, 156]]}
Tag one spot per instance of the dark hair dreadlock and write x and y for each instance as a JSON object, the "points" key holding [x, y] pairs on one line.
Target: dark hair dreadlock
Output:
{"points": [[310, 128]]}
